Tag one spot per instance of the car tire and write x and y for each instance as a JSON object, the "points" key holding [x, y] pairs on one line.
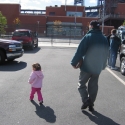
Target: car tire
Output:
{"points": [[32, 46], [2, 57], [122, 66], [36, 45], [10, 60]]}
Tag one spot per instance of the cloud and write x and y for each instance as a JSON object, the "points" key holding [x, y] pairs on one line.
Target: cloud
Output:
{"points": [[93, 1], [41, 4]]}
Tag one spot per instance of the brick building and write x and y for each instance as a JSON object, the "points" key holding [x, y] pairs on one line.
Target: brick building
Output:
{"points": [[59, 21]]}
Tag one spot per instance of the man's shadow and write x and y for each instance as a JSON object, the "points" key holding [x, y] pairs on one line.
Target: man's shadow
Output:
{"points": [[100, 119], [45, 112]]}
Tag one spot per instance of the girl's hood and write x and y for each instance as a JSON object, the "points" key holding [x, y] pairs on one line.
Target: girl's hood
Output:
{"points": [[38, 73]]}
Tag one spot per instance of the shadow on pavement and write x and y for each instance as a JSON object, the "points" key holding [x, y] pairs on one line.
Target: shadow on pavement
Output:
{"points": [[45, 112], [100, 119], [28, 50], [13, 66]]}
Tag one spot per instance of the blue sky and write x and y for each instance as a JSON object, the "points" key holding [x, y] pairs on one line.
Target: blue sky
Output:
{"points": [[41, 4]]}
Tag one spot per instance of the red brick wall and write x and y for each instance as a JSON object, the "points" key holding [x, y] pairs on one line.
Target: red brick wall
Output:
{"points": [[60, 11], [11, 11], [32, 19], [107, 30], [120, 9]]}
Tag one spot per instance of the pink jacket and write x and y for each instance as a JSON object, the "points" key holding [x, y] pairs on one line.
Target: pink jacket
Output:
{"points": [[36, 78]]}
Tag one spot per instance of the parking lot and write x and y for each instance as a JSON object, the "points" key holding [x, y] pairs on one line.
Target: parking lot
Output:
{"points": [[62, 102]]}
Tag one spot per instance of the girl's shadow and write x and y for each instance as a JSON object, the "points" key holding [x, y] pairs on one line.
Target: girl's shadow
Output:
{"points": [[45, 112]]}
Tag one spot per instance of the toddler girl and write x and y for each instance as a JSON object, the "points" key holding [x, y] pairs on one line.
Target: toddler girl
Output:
{"points": [[35, 80]]}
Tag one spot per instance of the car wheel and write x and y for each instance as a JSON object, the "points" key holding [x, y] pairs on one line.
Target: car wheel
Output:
{"points": [[10, 60], [122, 66], [2, 57], [32, 46], [36, 44]]}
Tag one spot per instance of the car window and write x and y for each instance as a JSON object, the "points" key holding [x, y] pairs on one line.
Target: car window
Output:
{"points": [[21, 33]]}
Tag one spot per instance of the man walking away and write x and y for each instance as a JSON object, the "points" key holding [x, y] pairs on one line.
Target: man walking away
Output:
{"points": [[90, 57], [115, 43]]}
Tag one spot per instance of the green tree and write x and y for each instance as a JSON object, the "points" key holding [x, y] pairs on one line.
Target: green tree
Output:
{"points": [[3, 23], [17, 22]]}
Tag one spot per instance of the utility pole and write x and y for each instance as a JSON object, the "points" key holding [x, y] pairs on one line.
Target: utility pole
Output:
{"points": [[103, 15], [65, 4]]}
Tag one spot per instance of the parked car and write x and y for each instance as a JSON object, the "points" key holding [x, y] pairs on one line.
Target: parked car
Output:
{"points": [[122, 58], [27, 37], [121, 33], [10, 50]]}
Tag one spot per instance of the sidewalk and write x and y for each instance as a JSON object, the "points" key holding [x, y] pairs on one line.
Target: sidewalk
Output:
{"points": [[57, 44]]}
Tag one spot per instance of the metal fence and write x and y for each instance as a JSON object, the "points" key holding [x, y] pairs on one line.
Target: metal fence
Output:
{"points": [[50, 31]]}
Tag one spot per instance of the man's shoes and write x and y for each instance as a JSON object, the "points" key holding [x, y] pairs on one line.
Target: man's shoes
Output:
{"points": [[85, 105], [91, 109], [114, 68]]}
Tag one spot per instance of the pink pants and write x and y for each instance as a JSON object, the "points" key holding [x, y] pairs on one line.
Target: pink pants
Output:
{"points": [[33, 91]]}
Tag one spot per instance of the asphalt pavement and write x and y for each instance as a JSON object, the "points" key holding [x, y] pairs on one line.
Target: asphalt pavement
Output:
{"points": [[62, 101]]}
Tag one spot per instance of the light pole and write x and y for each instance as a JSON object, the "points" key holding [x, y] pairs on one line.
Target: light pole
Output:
{"points": [[75, 20]]}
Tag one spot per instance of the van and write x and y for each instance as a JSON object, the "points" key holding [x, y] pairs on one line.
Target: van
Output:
{"points": [[27, 37]]}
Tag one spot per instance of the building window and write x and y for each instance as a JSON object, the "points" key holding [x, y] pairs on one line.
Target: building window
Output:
{"points": [[78, 14], [51, 13]]}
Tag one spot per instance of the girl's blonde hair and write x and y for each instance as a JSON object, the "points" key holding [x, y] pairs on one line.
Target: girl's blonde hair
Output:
{"points": [[36, 66]]}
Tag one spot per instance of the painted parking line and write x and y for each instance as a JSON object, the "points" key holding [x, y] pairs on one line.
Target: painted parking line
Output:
{"points": [[123, 82]]}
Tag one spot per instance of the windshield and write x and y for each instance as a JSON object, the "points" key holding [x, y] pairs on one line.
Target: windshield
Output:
{"points": [[21, 33]]}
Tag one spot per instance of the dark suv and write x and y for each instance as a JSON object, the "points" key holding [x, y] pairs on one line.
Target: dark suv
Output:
{"points": [[10, 50], [26, 37], [121, 35], [122, 58]]}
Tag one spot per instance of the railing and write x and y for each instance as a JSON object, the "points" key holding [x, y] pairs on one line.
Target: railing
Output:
{"points": [[112, 16]]}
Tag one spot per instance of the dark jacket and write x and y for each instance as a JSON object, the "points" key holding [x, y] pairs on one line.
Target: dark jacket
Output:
{"points": [[93, 48], [115, 42], [108, 38]]}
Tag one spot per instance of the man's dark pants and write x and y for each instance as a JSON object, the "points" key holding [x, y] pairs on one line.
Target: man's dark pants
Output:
{"points": [[89, 92]]}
